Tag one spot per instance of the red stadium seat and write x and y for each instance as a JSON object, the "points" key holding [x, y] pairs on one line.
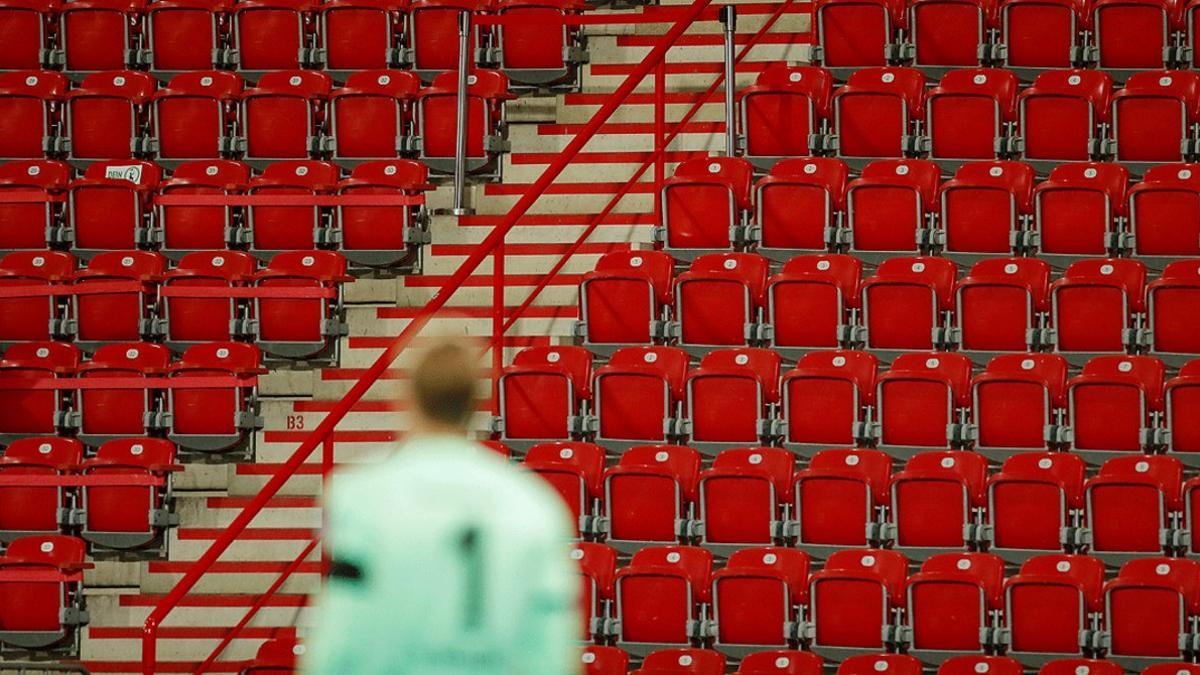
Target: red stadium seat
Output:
{"points": [[967, 664], [1014, 402], [1062, 112], [383, 236], [284, 113], [1093, 307], [782, 111], [968, 114], [1152, 106], [885, 664], [26, 511], [597, 569], [1136, 34], [1032, 504], [185, 34], [1114, 404], [950, 33], [575, 470], [30, 103], [26, 412], [1171, 668], [942, 599], [1129, 506], [487, 90], [272, 35], [1149, 610], [187, 321], [1182, 396], [1041, 34], [361, 34], [34, 317], [719, 300], [111, 414], [1000, 303], [195, 116], [624, 300], [218, 419], [129, 517], [433, 34], [648, 495], [730, 397], [1080, 667], [109, 208], [780, 662], [535, 54], [300, 327], [682, 662], [874, 111], [706, 206], [96, 35], [1169, 301], [810, 303], [32, 221], [184, 229], [1079, 210], [918, 398], [857, 33], [106, 116], [852, 601], [25, 30], [756, 596], [933, 501], [824, 397], [659, 593], [837, 498], [1049, 607], [277, 656], [744, 497], [542, 394], [41, 579], [273, 229], [370, 114], [1164, 214], [604, 660], [909, 303], [889, 209], [799, 205], [636, 397], [985, 207], [104, 313]]}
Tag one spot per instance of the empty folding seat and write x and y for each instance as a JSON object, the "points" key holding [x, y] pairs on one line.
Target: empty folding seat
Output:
{"points": [[532, 49], [29, 510], [129, 516], [1049, 606], [706, 206], [1081, 667], [950, 603], [39, 315], [272, 229], [96, 35], [41, 412], [41, 580], [744, 497], [837, 498], [810, 303], [277, 656], [1182, 407], [361, 34], [543, 394], [730, 398], [1015, 399], [1032, 502], [856, 33], [214, 419], [1136, 35], [886, 664], [658, 593], [109, 209], [1079, 210], [576, 472], [604, 660], [719, 300], [1041, 34], [624, 300], [637, 396], [934, 499], [195, 116], [1149, 610], [852, 600], [383, 236], [371, 113], [597, 568], [433, 34], [104, 311], [1062, 112], [186, 320], [1171, 668], [682, 662], [824, 398], [799, 205], [1130, 507], [106, 115], [1114, 405], [780, 662], [306, 326], [106, 414], [1093, 305], [968, 114], [909, 303], [32, 197], [487, 90], [949, 33], [756, 597], [30, 102], [283, 116], [271, 35], [874, 111], [1154, 114], [1170, 299], [1164, 214], [182, 229], [999, 304], [648, 495], [889, 208], [967, 664], [25, 29], [185, 34], [985, 207], [780, 112], [919, 397]]}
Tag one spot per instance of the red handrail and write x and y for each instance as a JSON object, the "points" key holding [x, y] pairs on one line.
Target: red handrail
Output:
{"points": [[368, 378]]}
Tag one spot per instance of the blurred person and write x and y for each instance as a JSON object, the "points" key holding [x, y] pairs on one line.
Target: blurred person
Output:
{"points": [[445, 559]]}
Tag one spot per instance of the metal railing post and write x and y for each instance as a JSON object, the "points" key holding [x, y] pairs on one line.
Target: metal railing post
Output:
{"points": [[460, 127], [660, 125], [497, 322], [729, 19]]}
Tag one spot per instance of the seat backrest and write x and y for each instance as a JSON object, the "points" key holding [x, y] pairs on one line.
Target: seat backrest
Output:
{"points": [[907, 83], [968, 467], [142, 452], [220, 172], [575, 362], [1131, 274], [671, 362], [1034, 274], [829, 172], [1093, 85], [845, 271], [229, 265], [734, 172], [217, 84], [604, 660], [686, 661], [53, 356], [138, 172], [306, 173], [812, 81], [749, 268], [234, 357], [658, 267], [776, 463], [1067, 469], [860, 367], [486, 84], [762, 364], [1107, 177], [980, 664], [1166, 472], [875, 467], [1178, 173], [51, 549], [880, 664], [891, 567], [1147, 371], [36, 83], [45, 265], [401, 84], [791, 563], [126, 265], [954, 368], [939, 274], [47, 450], [400, 173], [781, 662], [1181, 84], [587, 458], [1016, 177], [1180, 270], [302, 83], [1084, 570], [985, 568], [134, 86], [997, 83], [598, 561], [922, 174], [318, 265], [1180, 573], [1081, 667], [680, 460], [46, 174], [695, 563], [143, 357]]}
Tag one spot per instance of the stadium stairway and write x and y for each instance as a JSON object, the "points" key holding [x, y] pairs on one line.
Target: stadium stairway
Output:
{"points": [[209, 496]]}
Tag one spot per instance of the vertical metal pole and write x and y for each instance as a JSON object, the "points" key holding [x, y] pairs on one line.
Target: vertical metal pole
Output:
{"points": [[460, 129], [497, 323], [660, 124], [729, 18]]}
